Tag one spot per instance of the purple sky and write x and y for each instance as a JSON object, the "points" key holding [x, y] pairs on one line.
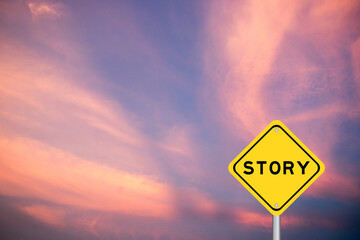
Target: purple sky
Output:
{"points": [[118, 119]]}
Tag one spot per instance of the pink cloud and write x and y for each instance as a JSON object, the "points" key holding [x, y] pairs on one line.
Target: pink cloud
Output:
{"points": [[55, 107], [177, 140], [336, 186], [195, 203], [246, 36], [44, 8], [70, 145], [249, 38], [255, 220], [355, 50], [33, 169], [261, 61], [46, 214], [50, 98]]}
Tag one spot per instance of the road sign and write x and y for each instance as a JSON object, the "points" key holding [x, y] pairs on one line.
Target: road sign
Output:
{"points": [[276, 167]]}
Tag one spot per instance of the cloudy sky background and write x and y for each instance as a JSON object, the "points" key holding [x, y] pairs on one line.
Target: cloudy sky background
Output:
{"points": [[118, 119]]}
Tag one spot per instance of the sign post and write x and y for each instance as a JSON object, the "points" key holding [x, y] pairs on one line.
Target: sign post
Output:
{"points": [[276, 227], [276, 168]]}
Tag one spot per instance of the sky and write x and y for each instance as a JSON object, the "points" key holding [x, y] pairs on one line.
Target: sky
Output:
{"points": [[118, 119]]}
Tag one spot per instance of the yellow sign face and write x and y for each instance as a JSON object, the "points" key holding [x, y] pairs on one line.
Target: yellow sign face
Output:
{"points": [[276, 167]]}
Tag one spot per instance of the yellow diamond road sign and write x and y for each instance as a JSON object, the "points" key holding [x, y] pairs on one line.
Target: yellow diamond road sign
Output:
{"points": [[276, 167]]}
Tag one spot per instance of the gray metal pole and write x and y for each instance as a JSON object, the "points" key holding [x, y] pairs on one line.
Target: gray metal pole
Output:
{"points": [[276, 227]]}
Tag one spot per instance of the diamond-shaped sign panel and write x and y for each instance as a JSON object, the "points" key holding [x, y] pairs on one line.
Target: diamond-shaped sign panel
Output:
{"points": [[276, 167]]}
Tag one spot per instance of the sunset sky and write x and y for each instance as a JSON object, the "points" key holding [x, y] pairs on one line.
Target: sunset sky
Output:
{"points": [[118, 119]]}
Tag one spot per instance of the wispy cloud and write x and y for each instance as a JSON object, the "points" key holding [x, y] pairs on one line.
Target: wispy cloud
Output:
{"points": [[69, 145], [246, 47], [44, 9], [32, 169], [283, 60], [355, 49], [101, 129], [45, 214]]}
